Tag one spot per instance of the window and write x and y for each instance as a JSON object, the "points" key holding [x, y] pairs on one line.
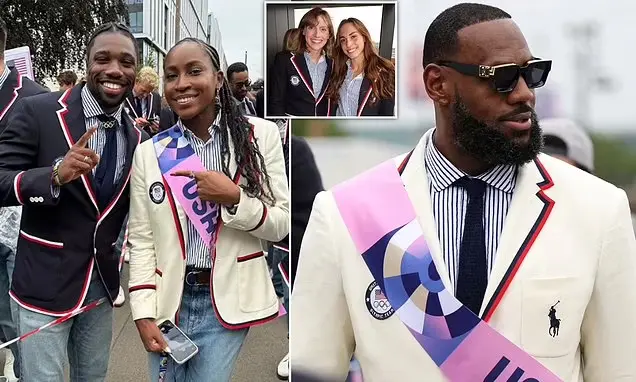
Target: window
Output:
{"points": [[137, 22], [165, 26]]}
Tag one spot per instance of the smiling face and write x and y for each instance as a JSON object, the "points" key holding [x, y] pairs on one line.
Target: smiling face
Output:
{"points": [[111, 69], [317, 34], [191, 81], [351, 41]]}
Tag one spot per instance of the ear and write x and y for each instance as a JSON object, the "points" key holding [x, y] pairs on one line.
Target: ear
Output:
{"points": [[437, 84]]}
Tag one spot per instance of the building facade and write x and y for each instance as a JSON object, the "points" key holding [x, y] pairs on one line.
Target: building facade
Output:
{"points": [[154, 24], [215, 39]]}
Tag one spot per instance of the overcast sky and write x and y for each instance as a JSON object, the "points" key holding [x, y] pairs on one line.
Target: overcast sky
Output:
{"points": [[545, 24]]}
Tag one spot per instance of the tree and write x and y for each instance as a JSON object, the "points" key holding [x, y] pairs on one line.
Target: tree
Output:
{"points": [[57, 31]]}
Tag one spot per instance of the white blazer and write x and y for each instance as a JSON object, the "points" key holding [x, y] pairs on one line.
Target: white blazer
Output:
{"points": [[576, 233], [242, 290]]}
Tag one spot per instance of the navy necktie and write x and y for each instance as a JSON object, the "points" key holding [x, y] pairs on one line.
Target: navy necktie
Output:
{"points": [[107, 167], [472, 277]]}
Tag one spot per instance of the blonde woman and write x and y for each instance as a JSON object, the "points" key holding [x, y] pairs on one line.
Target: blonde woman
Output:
{"points": [[144, 104]]}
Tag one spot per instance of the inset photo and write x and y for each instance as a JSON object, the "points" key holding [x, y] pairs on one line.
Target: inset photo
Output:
{"points": [[331, 61]]}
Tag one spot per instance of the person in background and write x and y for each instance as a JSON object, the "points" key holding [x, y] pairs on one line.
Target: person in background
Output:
{"points": [[66, 80], [13, 88], [144, 103], [362, 82], [564, 139], [239, 79], [298, 79]]}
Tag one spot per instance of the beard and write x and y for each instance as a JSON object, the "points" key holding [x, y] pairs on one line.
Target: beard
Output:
{"points": [[488, 144]]}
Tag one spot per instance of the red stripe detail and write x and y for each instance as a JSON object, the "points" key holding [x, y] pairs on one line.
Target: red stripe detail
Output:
{"points": [[516, 264], [158, 271], [141, 287], [18, 193], [40, 242], [293, 60], [251, 256], [283, 272], [263, 217], [366, 98], [175, 216], [405, 161], [13, 99]]}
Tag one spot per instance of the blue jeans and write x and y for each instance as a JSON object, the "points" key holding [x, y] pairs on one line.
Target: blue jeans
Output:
{"points": [[280, 287], [7, 325], [85, 339], [218, 347], [120, 239]]}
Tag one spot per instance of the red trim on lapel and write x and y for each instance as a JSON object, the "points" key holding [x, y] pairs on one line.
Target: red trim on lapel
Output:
{"points": [[405, 161], [175, 216], [293, 61], [61, 115], [131, 108], [527, 243], [15, 97], [366, 98]]}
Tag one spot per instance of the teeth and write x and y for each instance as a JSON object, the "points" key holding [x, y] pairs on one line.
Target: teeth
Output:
{"points": [[316, 41], [111, 85], [184, 100]]}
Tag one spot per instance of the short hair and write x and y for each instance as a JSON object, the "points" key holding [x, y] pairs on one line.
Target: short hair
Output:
{"points": [[236, 67], [3, 37], [147, 76], [110, 28], [441, 38], [67, 77]]}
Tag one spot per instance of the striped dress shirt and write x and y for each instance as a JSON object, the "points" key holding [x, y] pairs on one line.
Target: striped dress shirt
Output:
{"points": [[449, 204], [3, 78], [317, 72], [350, 93], [198, 253], [98, 141]]}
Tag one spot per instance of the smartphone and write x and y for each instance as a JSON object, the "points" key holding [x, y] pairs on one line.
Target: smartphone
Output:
{"points": [[182, 348]]}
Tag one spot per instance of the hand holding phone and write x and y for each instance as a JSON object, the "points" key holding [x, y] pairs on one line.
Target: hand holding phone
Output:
{"points": [[181, 347], [151, 336]]}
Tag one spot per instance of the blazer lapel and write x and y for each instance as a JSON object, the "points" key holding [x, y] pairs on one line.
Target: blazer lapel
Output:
{"points": [[73, 125], [133, 139], [529, 209], [131, 107], [416, 184], [9, 92], [365, 92], [300, 65]]}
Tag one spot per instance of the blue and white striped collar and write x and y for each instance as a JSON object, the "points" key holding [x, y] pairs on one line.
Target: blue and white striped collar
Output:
{"points": [[4, 76], [443, 173], [92, 109], [216, 125]]}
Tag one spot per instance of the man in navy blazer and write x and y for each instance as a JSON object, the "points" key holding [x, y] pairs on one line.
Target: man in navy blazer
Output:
{"points": [[66, 158]]}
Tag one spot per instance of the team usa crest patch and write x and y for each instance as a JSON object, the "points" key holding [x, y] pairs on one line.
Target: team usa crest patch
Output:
{"points": [[377, 303], [157, 192], [294, 80]]}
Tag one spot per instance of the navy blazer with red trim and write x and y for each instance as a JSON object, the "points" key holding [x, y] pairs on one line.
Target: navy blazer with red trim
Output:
{"points": [[368, 105], [62, 241], [15, 87], [290, 90]]}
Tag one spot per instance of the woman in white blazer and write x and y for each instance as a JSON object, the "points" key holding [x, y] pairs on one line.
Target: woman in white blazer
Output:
{"points": [[208, 276]]}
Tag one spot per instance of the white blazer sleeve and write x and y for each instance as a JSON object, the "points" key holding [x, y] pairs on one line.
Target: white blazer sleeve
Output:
{"points": [[609, 326], [322, 340], [143, 261], [269, 223]]}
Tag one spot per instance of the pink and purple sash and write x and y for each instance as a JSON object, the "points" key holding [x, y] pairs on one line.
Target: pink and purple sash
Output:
{"points": [[383, 225], [174, 153]]}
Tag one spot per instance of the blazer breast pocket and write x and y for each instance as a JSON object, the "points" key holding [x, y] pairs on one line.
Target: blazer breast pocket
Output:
{"points": [[552, 313]]}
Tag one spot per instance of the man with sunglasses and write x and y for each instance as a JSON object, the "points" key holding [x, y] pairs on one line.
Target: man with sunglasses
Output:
{"points": [[240, 85], [501, 263]]}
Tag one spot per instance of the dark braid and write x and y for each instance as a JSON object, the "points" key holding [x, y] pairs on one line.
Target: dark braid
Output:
{"points": [[110, 28], [248, 157]]}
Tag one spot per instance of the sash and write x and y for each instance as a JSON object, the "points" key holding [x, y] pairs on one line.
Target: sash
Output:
{"points": [[174, 153], [383, 225]]}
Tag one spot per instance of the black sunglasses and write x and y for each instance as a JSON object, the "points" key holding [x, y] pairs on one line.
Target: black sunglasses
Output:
{"points": [[505, 77]]}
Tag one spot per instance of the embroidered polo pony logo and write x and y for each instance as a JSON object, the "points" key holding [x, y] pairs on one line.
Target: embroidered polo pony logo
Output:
{"points": [[555, 322]]}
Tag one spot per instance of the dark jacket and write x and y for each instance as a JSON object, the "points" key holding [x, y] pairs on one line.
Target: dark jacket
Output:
{"points": [[15, 88], [289, 88], [62, 241], [368, 105]]}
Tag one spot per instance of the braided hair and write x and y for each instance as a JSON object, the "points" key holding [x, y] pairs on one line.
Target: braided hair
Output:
{"points": [[110, 28], [248, 157]]}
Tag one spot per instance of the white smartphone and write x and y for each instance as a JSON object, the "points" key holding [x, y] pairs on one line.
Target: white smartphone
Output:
{"points": [[181, 347]]}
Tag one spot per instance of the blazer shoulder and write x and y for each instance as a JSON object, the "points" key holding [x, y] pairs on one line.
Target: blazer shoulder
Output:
{"points": [[31, 88], [263, 127], [282, 55]]}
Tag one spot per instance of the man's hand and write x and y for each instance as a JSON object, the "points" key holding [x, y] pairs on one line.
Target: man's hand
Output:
{"points": [[141, 122], [151, 336], [79, 160], [214, 186]]}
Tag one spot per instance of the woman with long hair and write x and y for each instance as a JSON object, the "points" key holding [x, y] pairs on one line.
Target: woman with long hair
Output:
{"points": [[298, 78], [362, 82], [204, 193]]}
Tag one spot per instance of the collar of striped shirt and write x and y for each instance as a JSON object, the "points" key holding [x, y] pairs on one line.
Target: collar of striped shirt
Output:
{"points": [[4, 76], [310, 61], [92, 108], [215, 125], [442, 173]]}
